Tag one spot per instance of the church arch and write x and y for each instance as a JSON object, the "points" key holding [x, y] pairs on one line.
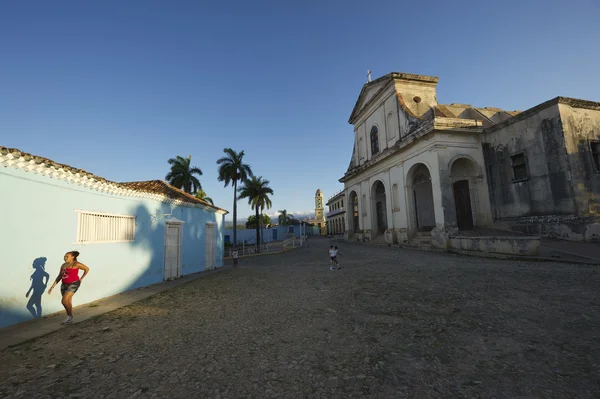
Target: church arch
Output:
{"points": [[379, 208], [467, 184], [419, 192]]}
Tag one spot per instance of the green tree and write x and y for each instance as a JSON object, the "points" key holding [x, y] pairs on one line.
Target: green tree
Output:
{"points": [[251, 222], [232, 170], [285, 218], [257, 191], [182, 175], [200, 194]]}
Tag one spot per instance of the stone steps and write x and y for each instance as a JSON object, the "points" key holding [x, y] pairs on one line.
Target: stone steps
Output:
{"points": [[420, 241]]}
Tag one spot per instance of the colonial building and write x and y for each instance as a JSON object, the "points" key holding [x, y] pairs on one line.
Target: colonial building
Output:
{"points": [[423, 168], [130, 234], [336, 216], [319, 219]]}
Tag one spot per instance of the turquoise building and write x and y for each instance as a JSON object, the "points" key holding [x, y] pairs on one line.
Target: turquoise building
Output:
{"points": [[130, 235]]}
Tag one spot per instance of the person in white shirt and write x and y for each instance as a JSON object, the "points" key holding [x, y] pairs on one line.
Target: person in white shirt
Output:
{"points": [[333, 258], [235, 258]]}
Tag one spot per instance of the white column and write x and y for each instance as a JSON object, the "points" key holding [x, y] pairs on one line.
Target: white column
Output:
{"points": [[389, 201], [438, 205]]}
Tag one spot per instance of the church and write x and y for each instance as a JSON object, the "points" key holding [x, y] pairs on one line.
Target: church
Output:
{"points": [[423, 170]]}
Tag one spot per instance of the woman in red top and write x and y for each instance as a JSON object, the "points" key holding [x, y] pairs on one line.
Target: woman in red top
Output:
{"points": [[69, 274]]}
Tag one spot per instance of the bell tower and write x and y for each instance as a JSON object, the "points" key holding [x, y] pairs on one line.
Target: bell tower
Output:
{"points": [[319, 207]]}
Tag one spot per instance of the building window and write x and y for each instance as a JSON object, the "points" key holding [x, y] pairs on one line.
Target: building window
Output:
{"points": [[93, 227], [595, 148], [342, 203], [290, 229], [374, 140], [519, 167]]}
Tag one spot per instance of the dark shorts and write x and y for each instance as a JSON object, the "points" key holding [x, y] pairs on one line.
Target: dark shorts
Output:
{"points": [[71, 287], [334, 258]]}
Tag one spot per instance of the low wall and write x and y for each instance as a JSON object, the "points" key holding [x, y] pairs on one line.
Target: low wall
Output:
{"points": [[571, 228], [510, 245]]}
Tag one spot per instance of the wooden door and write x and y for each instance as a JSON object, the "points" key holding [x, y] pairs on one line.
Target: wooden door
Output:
{"points": [[172, 251], [462, 200], [210, 247]]}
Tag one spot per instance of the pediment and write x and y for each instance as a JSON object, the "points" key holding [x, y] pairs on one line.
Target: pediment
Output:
{"points": [[367, 93]]}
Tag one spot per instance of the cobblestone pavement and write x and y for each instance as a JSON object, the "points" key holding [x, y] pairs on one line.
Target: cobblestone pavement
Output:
{"points": [[391, 323]]}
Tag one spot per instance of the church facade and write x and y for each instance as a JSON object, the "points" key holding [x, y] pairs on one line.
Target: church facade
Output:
{"points": [[420, 168]]}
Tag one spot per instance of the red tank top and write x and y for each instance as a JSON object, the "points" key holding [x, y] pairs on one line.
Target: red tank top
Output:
{"points": [[70, 275]]}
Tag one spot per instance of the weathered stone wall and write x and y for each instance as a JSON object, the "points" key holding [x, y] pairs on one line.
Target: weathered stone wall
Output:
{"points": [[580, 126], [547, 189], [561, 195]]}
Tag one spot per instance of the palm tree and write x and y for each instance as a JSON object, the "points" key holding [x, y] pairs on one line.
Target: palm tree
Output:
{"points": [[182, 174], [284, 217], [233, 170], [257, 191], [201, 195]]}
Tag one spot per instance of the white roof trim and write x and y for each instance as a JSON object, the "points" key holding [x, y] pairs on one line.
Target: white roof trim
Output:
{"points": [[90, 182]]}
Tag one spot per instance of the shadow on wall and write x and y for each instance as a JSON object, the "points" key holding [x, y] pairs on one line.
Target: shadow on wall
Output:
{"points": [[149, 243], [39, 282]]}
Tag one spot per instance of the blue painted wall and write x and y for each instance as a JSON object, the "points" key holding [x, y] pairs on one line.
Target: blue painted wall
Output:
{"points": [[39, 224], [249, 235]]}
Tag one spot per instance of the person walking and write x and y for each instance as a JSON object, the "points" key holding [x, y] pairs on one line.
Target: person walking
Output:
{"points": [[335, 254], [69, 274]]}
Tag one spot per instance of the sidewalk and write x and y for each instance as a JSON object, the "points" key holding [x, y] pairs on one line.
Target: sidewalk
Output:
{"points": [[22, 332]]}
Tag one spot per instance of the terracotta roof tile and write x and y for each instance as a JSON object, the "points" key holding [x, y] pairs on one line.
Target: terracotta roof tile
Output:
{"points": [[164, 188]]}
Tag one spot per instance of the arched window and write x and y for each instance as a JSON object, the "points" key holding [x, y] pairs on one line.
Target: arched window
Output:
{"points": [[374, 140]]}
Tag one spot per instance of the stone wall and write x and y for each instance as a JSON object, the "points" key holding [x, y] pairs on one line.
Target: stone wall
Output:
{"points": [[560, 196]]}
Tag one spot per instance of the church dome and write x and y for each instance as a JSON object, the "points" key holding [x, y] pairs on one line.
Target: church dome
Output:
{"points": [[319, 192]]}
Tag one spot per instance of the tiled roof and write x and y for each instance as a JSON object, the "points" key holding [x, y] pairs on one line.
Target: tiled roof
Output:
{"points": [[156, 189], [164, 188]]}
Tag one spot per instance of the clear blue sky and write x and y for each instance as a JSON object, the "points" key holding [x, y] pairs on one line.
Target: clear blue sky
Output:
{"points": [[118, 87]]}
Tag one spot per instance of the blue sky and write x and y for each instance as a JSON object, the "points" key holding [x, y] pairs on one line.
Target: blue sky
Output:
{"points": [[117, 88]]}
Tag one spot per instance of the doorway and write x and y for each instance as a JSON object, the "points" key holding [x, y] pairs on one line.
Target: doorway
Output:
{"points": [[462, 199], [423, 200], [172, 251]]}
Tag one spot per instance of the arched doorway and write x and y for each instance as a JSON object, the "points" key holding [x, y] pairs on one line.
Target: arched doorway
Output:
{"points": [[420, 191], [379, 209], [353, 214], [464, 173]]}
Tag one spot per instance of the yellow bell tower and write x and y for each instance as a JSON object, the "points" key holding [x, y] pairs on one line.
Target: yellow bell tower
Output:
{"points": [[320, 212]]}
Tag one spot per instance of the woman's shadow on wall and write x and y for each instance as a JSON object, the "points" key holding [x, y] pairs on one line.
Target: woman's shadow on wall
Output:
{"points": [[39, 282]]}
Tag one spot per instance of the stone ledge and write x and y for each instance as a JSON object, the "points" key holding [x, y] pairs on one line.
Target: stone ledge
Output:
{"points": [[511, 245]]}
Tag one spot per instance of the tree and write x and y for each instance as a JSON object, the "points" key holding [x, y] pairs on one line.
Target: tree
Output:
{"points": [[232, 170], [182, 174], [200, 194], [285, 218], [265, 220], [257, 191]]}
